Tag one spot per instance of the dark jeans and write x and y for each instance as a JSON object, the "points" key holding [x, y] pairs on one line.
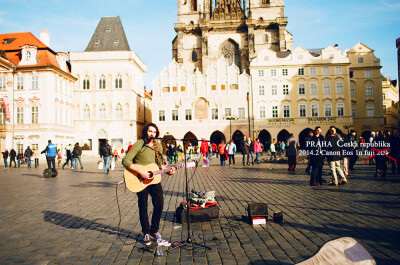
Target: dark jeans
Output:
{"points": [[13, 160], [292, 162], [231, 159], [222, 158], [308, 169], [381, 165], [397, 157], [157, 199], [248, 158], [36, 162], [51, 161], [316, 175], [66, 162]]}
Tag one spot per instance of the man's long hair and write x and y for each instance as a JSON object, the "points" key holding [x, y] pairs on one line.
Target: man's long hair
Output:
{"points": [[145, 129]]}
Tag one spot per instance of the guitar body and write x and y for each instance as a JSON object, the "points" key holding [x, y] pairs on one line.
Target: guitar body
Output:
{"points": [[134, 181]]}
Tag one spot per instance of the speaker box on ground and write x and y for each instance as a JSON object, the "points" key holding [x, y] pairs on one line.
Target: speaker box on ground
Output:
{"points": [[257, 209]]}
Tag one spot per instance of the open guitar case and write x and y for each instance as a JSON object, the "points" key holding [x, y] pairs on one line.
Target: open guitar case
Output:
{"points": [[197, 214]]}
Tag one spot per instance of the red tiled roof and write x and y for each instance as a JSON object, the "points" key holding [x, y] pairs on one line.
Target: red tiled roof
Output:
{"points": [[45, 55], [6, 62]]}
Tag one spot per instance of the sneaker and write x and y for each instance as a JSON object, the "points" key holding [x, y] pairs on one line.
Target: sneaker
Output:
{"points": [[160, 241], [147, 240], [333, 184]]}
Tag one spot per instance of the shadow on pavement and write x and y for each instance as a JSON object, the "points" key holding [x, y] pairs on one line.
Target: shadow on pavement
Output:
{"points": [[74, 222], [91, 184]]}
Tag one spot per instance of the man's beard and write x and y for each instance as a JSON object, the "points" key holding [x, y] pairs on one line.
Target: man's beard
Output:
{"points": [[148, 139]]}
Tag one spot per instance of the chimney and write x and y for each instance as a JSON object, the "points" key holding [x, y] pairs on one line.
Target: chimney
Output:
{"points": [[45, 37]]}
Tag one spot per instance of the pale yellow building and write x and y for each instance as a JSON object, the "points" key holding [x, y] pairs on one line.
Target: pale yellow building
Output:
{"points": [[390, 94], [365, 90]]}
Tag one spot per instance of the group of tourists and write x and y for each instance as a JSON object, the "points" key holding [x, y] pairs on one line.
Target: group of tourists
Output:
{"points": [[72, 154], [21, 158]]}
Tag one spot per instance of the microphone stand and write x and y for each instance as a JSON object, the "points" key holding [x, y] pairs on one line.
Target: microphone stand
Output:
{"points": [[188, 239]]}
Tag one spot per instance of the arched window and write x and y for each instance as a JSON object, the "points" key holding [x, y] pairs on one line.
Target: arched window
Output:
{"points": [[102, 113], [118, 112], [118, 82], [102, 82], [86, 83], [86, 113]]}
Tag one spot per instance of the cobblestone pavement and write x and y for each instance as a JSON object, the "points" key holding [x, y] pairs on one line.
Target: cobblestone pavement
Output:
{"points": [[73, 218]]}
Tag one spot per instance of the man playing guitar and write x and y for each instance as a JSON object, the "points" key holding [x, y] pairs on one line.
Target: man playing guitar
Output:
{"points": [[144, 152]]}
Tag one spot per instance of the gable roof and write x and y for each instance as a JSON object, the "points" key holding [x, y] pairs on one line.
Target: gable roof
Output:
{"points": [[108, 36]]}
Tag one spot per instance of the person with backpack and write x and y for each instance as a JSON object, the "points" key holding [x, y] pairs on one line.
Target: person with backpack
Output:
{"points": [[28, 154], [106, 153], [222, 152]]}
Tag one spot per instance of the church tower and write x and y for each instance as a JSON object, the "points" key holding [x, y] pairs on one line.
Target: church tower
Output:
{"points": [[234, 29]]}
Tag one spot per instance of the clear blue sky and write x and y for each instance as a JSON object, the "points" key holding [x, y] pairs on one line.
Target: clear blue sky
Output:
{"points": [[149, 25]]}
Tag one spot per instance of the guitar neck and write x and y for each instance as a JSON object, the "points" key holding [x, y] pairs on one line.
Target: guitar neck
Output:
{"points": [[162, 171]]}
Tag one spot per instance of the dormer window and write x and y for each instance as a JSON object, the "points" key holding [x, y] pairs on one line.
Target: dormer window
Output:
{"points": [[8, 41], [108, 30], [116, 41], [28, 55], [97, 42]]}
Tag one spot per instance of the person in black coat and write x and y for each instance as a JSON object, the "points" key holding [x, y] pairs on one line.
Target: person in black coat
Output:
{"points": [[13, 155], [316, 147], [380, 159], [5, 157]]}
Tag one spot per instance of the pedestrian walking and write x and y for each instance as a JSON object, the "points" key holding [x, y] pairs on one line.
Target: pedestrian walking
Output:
{"points": [[59, 157], [28, 154], [204, 152], [395, 151], [308, 142], [381, 161], [245, 150], [19, 158], [231, 147], [316, 157], [13, 155], [257, 150], [36, 157], [5, 157], [68, 154], [106, 153], [222, 152], [78, 152], [291, 152], [333, 154], [272, 149], [250, 145]]}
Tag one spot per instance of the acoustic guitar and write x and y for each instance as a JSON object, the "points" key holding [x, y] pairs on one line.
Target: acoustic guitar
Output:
{"points": [[136, 183]]}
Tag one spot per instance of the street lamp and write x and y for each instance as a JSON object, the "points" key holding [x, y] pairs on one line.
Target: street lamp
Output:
{"points": [[230, 118]]}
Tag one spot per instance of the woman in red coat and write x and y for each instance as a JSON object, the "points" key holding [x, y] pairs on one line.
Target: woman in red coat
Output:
{"points": [[204, 152]]}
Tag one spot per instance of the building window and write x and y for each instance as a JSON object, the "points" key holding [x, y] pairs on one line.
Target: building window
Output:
{"points": [[300, 71], [368, 73], [313, 88], [2, 115], [188, 114], [222, 87], [183, 88], [116, 41], [339, 88], [262, 112], [360, 59], [285, 72], [274, 90], [20, 115], [261, 91], [108, 29], [303, 110], [353, 111], [161, 115], [213, 87], [302, 89], [351, 74], [97, 42], [266, 38], [35, 82], [234, 86], [353, 90], [118, 82], [242, 113], [384, 95], [214, 114], [35, 114], [340, 109], [3, 83], [102, 82], [286, 111], [314, 110], [328, 109], [175, 116], [102, 112], [194, 5], [20, 148], [285, 89], [174, 89], [275, 112], [326, 70], [338, 70], [166, 89], [260, 72], [327, 88], [265, 2], [228, 112], [313, 71], [118, 112], [369, 90], [273, 72], [86, 83], [370, 110], [20, 83]]}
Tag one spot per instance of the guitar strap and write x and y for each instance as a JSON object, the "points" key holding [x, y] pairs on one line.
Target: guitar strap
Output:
{"points": [[158, 160]]}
